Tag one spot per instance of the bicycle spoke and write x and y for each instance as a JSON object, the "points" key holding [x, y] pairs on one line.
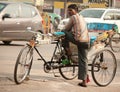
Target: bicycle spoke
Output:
{"points": [[23, 64]]}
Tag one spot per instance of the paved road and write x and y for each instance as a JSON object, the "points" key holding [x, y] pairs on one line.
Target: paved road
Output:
{"points": [[40, 81]]}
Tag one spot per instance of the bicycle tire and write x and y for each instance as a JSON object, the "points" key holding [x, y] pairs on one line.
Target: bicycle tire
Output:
{"points": [[104, 67], [69, 72], [115, 42], [23, 64]]}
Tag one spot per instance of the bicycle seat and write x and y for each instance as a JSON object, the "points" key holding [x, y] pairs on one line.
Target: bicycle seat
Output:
{"points": [[59, 34]]}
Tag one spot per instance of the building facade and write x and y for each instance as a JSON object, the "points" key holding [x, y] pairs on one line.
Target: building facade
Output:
{"points": [[59, 6]]}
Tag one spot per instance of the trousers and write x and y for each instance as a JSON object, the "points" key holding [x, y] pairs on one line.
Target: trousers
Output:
{"points": [[82, 54]]}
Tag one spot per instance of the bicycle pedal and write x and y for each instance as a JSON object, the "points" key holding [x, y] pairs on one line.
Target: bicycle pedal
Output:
{"points": [[56, 75], [39, 59]]}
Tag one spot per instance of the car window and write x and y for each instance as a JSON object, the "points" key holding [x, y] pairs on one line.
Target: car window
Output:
{"points": [[112, 15], [2, 6], [117, 15], [12, 10], [26, 11], [109, 15], [92, 13], [33, 11]]}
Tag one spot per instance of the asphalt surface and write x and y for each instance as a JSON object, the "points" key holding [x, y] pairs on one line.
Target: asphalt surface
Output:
{"points": [[41, 81]]}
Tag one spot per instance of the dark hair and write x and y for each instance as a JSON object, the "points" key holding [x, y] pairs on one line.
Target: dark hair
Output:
{"points": [[73, 6]]}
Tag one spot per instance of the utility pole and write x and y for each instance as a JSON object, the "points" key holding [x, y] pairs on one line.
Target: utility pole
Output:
{"points": [[65, 9], [110, 3], [114, 3], [39, 4]]}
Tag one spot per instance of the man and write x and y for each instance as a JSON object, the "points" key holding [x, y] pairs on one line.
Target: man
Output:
{"points": [[77, 33]]}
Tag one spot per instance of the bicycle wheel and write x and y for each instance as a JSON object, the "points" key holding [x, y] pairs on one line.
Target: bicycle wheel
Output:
{"points": [[68, 71], [23, 64], [104, 67], [115, 42]]}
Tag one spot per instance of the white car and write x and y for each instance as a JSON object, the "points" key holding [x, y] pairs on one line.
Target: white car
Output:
{"points": [[98, 15], [62, 23]]}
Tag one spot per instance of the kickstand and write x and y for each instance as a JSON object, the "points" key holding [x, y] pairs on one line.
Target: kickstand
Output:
{"points": [[54, 72]]}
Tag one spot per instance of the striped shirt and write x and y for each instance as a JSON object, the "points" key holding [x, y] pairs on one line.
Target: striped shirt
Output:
{"points": [[78, 26]]}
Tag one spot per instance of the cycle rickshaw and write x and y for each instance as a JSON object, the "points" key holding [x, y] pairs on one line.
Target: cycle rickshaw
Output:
{"points": [[103, 65]]}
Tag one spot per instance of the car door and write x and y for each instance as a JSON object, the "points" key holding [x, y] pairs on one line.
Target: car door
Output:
{"points": [[10, 25], [113, 16], [26, 21], [117, 19]]}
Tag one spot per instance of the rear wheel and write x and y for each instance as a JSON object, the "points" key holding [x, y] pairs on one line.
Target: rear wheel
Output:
{"points": [[23, 64], [104, 67], [115, 42]]}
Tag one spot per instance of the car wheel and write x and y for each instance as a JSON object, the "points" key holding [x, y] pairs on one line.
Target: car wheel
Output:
{"points": [[7, 42]]}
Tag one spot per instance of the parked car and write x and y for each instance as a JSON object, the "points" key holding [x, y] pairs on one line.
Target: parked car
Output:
{"points": [[62, 23], [97, 16], [102, 15], [15, 19]]}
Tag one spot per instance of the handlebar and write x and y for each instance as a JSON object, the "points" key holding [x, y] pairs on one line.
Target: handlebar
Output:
{"points": [[39, 37]]}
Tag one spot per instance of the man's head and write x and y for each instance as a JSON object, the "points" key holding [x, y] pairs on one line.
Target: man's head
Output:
{"points": [[72, 9]]}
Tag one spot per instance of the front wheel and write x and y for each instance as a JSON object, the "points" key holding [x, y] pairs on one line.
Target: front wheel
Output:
{"points": [[23, 64], [104, 67]]}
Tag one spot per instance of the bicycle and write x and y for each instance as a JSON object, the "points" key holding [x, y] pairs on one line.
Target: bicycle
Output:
{"points": [[59, 60], [112, 38], [109, 33], [115, 40], [67, 68]]}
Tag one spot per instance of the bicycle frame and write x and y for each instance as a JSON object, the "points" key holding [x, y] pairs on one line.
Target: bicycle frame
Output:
{"points": [[57, 47]]}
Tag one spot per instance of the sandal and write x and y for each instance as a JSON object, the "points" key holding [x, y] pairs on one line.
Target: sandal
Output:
{"points": [[82, 85]]}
